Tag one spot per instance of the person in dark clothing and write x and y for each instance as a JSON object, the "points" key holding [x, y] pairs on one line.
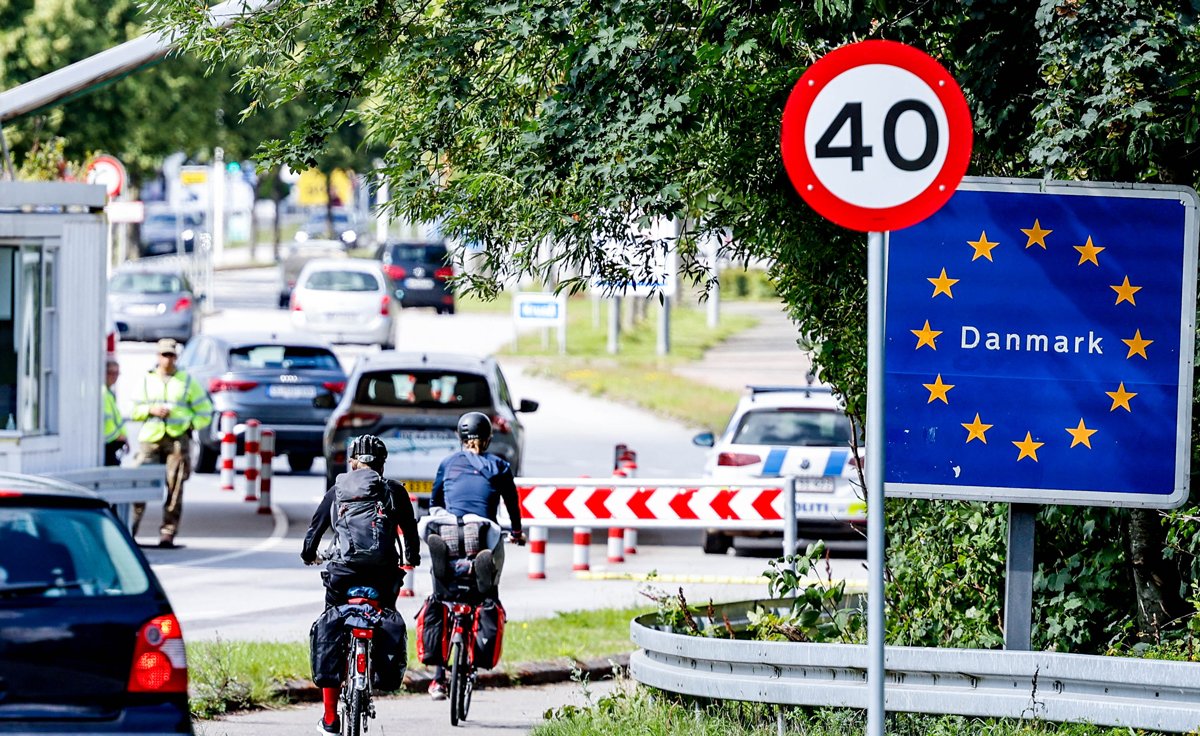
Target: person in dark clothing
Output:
{"points": [[470, 484], [363, 480]]}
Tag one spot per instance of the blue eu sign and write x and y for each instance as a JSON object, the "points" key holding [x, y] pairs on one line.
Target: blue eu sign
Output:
{"points": [[1039, 346]]}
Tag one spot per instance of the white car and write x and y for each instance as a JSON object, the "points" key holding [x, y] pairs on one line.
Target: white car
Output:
{"points": [[781, 431], [346, 300]]}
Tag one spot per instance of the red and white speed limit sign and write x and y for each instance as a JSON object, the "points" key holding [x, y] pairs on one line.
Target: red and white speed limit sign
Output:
{"points": [[876, 136]]}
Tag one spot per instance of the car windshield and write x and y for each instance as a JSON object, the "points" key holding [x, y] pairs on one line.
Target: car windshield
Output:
{"points": [[66, 552], [145, 283], [428, 389], [341, 281], [417, 253], [793, 428], [283, 357]]}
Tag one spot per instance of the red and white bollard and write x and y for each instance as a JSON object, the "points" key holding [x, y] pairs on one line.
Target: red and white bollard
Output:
{"points": [[626, 467], [251, 477], [409, 589], [581, 558], [537, 552], [267, 454], [631, 541], [616, 545], [228, 449]]}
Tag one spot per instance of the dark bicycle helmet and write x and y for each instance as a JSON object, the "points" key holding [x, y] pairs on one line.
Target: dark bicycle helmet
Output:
{"points": [[474, 425], [369, 449]]}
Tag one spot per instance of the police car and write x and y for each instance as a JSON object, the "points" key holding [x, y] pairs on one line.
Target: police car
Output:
{"points": [[781, 431]]}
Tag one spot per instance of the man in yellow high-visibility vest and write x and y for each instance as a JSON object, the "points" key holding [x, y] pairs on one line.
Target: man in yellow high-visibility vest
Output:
{"points": [[114, 425], [171, 405]]}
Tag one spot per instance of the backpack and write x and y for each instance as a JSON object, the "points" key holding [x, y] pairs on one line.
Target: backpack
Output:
{"points": [[362, 525]]}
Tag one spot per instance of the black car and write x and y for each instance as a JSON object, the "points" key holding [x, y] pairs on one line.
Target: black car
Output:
{"points": [[420, 272], [166, 233], [412, 401], [88, 640], [288, 382]]}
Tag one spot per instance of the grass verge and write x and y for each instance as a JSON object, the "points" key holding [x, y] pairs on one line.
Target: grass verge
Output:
{"points": [[637, 375], [227, 676], [633, 709]]}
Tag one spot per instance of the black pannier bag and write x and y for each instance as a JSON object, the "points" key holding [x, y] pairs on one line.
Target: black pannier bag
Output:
{"points": [[327, 647], [488, 630], [433, 638], [389, 651]]}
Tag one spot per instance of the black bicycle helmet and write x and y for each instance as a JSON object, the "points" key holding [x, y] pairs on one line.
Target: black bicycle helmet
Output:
{"points": [[369, 449], [474, 425]]}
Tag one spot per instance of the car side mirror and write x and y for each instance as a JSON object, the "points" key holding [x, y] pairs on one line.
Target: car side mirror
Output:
{"points": [[528, 406], [704, 439]]}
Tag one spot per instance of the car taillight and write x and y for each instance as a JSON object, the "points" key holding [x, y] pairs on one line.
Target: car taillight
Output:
{"points": [[383, 308], [737, 459], [443, 273], [10, 494], [295, 305], [336, 387], [447, 299], [159, 660], [217, 385], [395, 273], [184, 302], [110, 344], [357, 419], [501, 425]]}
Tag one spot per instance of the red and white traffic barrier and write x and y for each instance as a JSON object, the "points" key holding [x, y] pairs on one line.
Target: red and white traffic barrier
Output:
{"points": [[251, 477], [616, 545], [228, 450], [537, 552], [581, 557], [266, 454]]}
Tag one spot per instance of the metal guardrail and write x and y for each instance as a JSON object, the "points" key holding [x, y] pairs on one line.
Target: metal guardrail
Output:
{"points": [[1110, 691]]}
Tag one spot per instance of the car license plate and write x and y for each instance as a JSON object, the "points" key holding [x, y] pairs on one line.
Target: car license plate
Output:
{"points": [[142, 309], [420, 487], [814, 485], [285, 391], [418, 283]]}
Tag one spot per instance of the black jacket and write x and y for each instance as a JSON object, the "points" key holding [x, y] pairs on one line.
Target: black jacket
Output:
{"points": [[401, 515]]}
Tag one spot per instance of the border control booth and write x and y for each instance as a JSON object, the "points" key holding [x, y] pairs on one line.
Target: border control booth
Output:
{"points": [[53, 252]]}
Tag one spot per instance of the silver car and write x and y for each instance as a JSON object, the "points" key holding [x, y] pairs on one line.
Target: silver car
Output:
{"points": [[150, 304]]}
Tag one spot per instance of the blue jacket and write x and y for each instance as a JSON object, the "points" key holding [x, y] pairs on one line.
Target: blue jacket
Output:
{"points": [[467, 483]]}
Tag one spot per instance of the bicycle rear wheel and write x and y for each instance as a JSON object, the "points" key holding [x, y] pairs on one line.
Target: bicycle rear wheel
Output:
{"points": [[352, 724], [457, 673]]}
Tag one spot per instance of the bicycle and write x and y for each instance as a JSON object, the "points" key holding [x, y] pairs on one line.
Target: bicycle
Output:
{"points": [[461, 660], [355, 698]]}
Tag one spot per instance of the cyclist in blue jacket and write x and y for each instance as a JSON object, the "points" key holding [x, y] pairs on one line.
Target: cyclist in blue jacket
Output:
{"points": [[470, 484]]}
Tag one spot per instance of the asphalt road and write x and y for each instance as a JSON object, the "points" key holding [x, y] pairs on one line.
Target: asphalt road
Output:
{"points": [[239, 575]]}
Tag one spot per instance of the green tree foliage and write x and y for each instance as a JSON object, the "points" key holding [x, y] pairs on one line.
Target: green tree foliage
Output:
{"points": [[518, 124]]}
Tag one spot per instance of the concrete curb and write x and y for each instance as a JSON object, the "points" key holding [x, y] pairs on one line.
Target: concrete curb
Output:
{"points": [[526, 673]]}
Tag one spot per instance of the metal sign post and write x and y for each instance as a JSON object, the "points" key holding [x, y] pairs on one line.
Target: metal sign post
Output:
{"points": [[876, 136]]}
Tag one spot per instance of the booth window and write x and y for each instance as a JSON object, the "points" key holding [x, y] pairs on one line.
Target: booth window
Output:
{"points": [[28, 317]]}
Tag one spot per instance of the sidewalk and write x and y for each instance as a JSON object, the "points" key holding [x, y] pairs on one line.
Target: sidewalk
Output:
{"points": [[766, 354]]}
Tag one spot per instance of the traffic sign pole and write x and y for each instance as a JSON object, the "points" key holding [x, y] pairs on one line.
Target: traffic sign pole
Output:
{"points": [[876, 621]]}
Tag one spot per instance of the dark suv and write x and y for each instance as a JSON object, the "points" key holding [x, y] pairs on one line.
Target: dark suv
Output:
{"points": [[420, 272], [412, 401], [288, 382], [88, 643]]}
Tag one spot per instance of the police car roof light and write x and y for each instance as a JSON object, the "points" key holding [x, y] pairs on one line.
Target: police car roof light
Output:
{"points": [[807, 390]]}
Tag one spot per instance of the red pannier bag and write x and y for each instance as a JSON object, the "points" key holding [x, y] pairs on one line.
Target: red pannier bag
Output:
{"points": [[488, 631], [433, 635]]}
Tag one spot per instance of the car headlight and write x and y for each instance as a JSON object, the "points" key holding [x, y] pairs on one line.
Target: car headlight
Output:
{"points": [[187, 234], [301, 236], [349, 236]]}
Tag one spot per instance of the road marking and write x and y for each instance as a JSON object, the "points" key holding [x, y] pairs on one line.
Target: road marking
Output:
{"points": [[277, 535], [852, 586]]}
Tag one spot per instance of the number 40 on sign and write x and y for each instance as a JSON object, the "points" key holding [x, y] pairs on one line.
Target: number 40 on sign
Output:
{"points": [[876, 136]]}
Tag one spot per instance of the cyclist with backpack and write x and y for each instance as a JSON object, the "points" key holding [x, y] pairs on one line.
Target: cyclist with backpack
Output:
{"points": [[469, 486], [368, 514]]}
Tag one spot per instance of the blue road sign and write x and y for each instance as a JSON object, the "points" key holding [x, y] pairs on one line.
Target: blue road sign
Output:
{"points": [[1039, 346]]}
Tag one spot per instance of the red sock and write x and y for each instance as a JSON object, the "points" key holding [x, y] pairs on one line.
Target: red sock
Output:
{"points": [[330, 696]]}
